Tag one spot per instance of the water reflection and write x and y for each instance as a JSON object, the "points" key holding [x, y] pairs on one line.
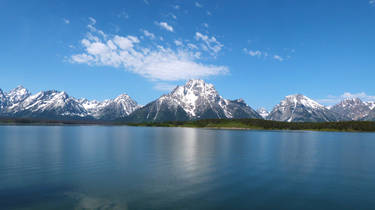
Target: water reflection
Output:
{"points": [[98, 167]]}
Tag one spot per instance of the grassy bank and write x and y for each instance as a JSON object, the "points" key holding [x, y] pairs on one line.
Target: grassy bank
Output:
{"points": [[254, 124], [257, 124]]}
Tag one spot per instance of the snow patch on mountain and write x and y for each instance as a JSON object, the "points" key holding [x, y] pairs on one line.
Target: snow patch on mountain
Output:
{"points": [[263, 112], [370, 104], [17, 95], [352, 108], [51, 104], [299, 108], [194, 100]]}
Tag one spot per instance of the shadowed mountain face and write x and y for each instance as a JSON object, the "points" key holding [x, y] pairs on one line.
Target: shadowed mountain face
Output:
{"points": [[352, 108], [299, 108], [3, 101], [263, 112], [56, 105], [195, 100], [370, 116]]}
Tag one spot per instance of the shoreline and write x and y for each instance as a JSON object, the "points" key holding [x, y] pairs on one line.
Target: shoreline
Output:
{"points": [[217, 124]]}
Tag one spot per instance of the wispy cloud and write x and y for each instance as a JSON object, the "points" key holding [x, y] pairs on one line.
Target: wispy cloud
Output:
{"points": [[66, 21], [331, 99], [176, 7], [156, 63], [123, 14], [263, 54], [173, 16], [372, 2], [197, 4], [164, 86], [146, 2], [178, 43], [148, 34], [278, 57], [253, 52], [209, 44], [165, 26]]}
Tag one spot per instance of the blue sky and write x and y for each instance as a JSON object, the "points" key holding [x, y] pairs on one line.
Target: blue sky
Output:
{"points": [[258, 50]]}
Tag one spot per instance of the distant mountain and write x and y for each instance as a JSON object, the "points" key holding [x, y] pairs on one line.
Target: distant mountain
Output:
{"points": [[352, 108], [299, 108], [113, 109], [56, 105], [370, 116], [48, 105], [17, 95], [3, 102], [263, 112], [195, 100], [370, 104], [192, 101]]}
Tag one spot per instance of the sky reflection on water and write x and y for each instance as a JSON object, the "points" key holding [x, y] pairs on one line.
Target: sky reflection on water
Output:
{"points": [[183, 168]]}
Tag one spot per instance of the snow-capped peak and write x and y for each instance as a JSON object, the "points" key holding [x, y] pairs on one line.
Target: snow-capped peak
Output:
{"points": [[299, 108], [350, 102], [121, 106], [18, 94], [195, 99], [19, 102], [3, 100], [352, 108], [122, 97], [2, 95], [303, 100], [263, 112], [193, 94], [370, 104]]}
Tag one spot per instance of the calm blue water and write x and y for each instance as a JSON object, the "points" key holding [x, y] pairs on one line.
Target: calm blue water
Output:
{"points": [[98, 167]]}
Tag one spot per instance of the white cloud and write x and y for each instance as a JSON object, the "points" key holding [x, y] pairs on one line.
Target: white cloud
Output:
{"points": [[165, 26], [82, 58], [278, 57], [66, 21], [178, 43], [92, 21], [192, 46], [197, 4], [262, 54], [123, 14], [148, 34], [173, 16], [164, 86], [209, 13], [177, 7], [331, 99], [205, 25], [124, 42], [253, 53], [156, 63], [372, 2], [210, 45]]}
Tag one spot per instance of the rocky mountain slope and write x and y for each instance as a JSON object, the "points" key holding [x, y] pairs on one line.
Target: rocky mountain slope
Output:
{"points": [[195, 100], [263, 112], [299, 108], [352, 108], [57, 105]]}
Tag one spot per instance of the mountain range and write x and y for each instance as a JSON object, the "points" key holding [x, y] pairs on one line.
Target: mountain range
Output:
{"points": [[192, 101]]}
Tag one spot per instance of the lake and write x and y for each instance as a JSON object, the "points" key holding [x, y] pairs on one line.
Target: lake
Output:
{"points": [[120, 167]]}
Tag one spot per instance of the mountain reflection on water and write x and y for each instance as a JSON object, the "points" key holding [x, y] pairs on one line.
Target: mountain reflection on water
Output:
{"points": [[100, 167]]}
